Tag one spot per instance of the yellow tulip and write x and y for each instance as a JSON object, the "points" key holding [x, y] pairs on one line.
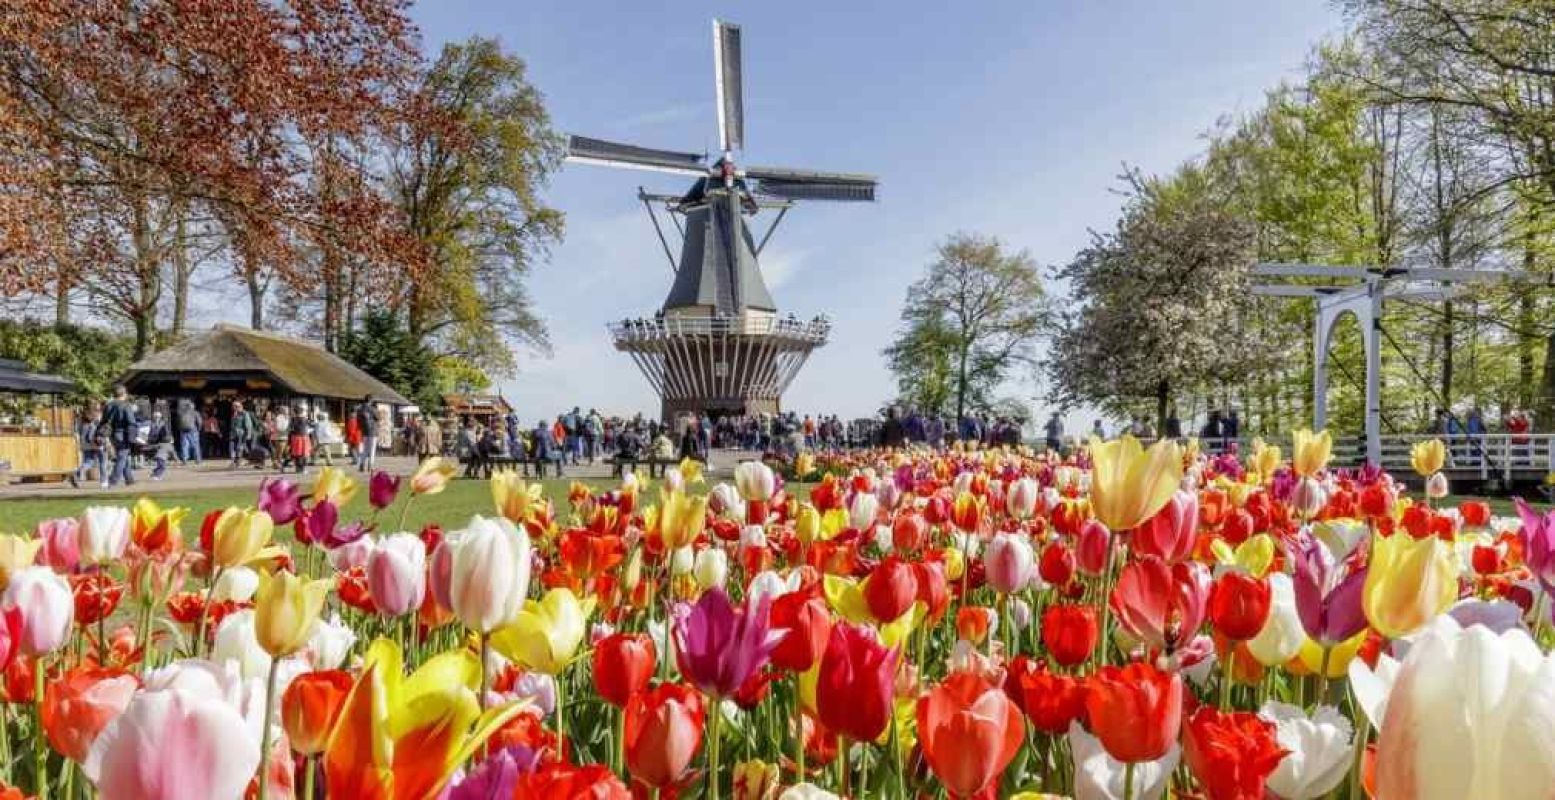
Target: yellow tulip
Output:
{"points": [[1428, 457], [681, 518], [804, 464], [514, 498], [1130, 484], [403, 737], [846, 597], [432, 476], [1253, 556], [1311, 451], [1408, 582], [691, 470], [153, 526], [1265, 458], [285, 608], [1339, 656], [242, 536], [334, 485], [547, 634], [16, 552], [833, 522], [955, 563], [807, 524]]}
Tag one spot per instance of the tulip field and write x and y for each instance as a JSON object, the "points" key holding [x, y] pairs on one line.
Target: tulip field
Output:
{"points": [[1127, 622]]}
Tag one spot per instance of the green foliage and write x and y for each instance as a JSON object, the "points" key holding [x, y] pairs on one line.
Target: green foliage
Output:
{"points": [[967, 325], [386, 350], [92, 357]]}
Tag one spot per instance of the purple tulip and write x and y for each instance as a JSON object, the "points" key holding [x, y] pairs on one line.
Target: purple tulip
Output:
{"points": [[1328, 598], [719, 647], [1538, 539], [281, 499], [382, 489], [497, 777]]}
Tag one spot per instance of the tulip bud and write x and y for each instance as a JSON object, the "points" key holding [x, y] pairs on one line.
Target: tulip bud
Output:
{"points": [[861, 514], [682, 559], [47, 607], [711, 568], [285, 609], [1309, 497], [1436, 486], [240, 536], [1010, 563], [632, 575], [1093, 552], [396, 574], [309, 708], [104, 533], [237, 585], [1020, 499], [807, 524]]}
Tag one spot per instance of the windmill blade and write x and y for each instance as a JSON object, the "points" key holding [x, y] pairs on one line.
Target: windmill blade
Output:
{"points": [[798, 184], [728, 75], [585, 150]]}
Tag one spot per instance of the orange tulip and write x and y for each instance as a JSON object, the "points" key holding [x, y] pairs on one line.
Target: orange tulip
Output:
{"points": [[310, 706], [969, 731], [77, 707]]}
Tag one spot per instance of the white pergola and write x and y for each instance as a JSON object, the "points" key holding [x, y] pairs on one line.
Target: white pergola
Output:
{"points": [[1360, 291]]}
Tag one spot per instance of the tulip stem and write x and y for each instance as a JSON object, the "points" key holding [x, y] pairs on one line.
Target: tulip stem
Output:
{"points": [[799, 731], [405, 510], [5, 742], [842, 764], [205, 611], [1362, 732], [1128, 781], [1225, 680], [485, 650], [264, 733], [714, 728], [561, 709], [40, 752], [309, 766], [1322, 675]]}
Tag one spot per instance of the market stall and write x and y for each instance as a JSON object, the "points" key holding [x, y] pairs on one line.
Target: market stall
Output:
{"points": [[37, 432]]}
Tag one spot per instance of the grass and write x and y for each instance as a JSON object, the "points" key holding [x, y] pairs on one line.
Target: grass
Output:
{"points": [[450, 508]]}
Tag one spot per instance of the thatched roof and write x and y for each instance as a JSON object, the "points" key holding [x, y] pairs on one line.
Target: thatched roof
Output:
{"points": [[300, 367]]}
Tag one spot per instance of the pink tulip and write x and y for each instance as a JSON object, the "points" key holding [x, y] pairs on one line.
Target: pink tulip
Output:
{"points": [[382, 489], [1161, 604], [1010, 563], [174, 744], [1170, 534], [1093, 552], [47, 606], [61, 544], [396, 574]]}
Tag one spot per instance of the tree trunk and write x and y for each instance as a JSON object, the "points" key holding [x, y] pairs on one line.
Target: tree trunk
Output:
{"points": [[149, 279], [1162, 395], [1445, 394], [1527, 342], [256, 299], [181, 273], [961, 381], [62, 301]]}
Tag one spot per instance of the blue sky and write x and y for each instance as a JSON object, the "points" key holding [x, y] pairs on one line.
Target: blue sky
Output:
{"points": [[1011, 118]]}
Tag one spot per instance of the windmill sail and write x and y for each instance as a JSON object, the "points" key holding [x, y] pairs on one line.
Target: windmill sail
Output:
{"points": [[799, 184], [730, 84], [585, 150]]}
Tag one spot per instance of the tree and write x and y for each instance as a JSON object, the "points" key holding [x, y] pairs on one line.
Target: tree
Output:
{"points": [[466, 176], [1159, 301], [386, 350], [971, 320], [92, 358]]}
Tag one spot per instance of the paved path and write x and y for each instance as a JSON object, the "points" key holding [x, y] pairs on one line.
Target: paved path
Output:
{"points": [[219, 474]]}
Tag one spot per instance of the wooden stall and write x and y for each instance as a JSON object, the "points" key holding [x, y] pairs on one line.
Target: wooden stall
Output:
{"points": [[37, 432]]}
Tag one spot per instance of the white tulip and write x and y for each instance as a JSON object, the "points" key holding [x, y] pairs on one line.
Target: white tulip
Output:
{"points": [[237, 642], [237, 584], [330, 643], [806, 791], [104, 533], [1320, 750], [489, 575], [1097, 776], [1282, 634], [756, 481], [712, 568], [682, 560], [863, 511], [767, 584]]}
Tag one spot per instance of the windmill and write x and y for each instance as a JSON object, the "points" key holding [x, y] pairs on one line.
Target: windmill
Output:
{"points": [[717, 344]]}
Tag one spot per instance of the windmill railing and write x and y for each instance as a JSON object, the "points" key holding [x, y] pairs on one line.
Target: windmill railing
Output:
{"points": [[813, 331]]}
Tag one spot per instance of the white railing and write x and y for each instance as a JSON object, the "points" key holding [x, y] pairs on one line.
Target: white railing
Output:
{"points": [[814, 330], [1504, 456]]}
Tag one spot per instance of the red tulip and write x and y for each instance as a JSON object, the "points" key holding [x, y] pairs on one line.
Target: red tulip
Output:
{"points": [[1231, 753], [10, 635], [966, 513], [663, 731], [807, 619], [1135, 711], [80, 705], [1238, 527], [1051, 701], [1070, 633], [969, 732], [1239, 605], [1161, 604], [853, 691], [908, 532], [1171, 532], [97, 595], [310, 706], [1377, 500], [1057, 564], [973, 622], [1475, 513], [933, 589], [891, 589], [623, 666], [567, 782]]}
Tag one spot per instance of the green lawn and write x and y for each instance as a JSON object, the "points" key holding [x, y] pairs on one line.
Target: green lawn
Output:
{"points": [[451, 508]]}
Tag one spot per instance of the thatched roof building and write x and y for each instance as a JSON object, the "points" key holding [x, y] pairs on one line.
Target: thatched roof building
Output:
{"points": [[229, 359]]}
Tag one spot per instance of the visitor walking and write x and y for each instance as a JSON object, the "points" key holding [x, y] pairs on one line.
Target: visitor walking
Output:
{"points": [[367, 423], [242, 430], [120, 419], [1054, 431], [299, 443], [92, 439], [189, 424], [158, 445]]}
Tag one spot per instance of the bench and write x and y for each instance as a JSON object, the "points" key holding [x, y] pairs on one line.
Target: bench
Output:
{"points": [[523, 463], [656, 466]]}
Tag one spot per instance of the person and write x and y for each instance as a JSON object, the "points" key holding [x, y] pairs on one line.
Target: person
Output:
{"points": [[1213, 430], [158, 445], [1054, 433], [299, 443], [241, 432], [1518, 425], [120, 420], [1233, 426], [593, 430], [92, 438], [690, 443], [1097, 430], [367, 422], [279, 428], [189, 424], [326, 437], [547, 446], [663, 448], [934, 431], [466, 448], [431, 439]]}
